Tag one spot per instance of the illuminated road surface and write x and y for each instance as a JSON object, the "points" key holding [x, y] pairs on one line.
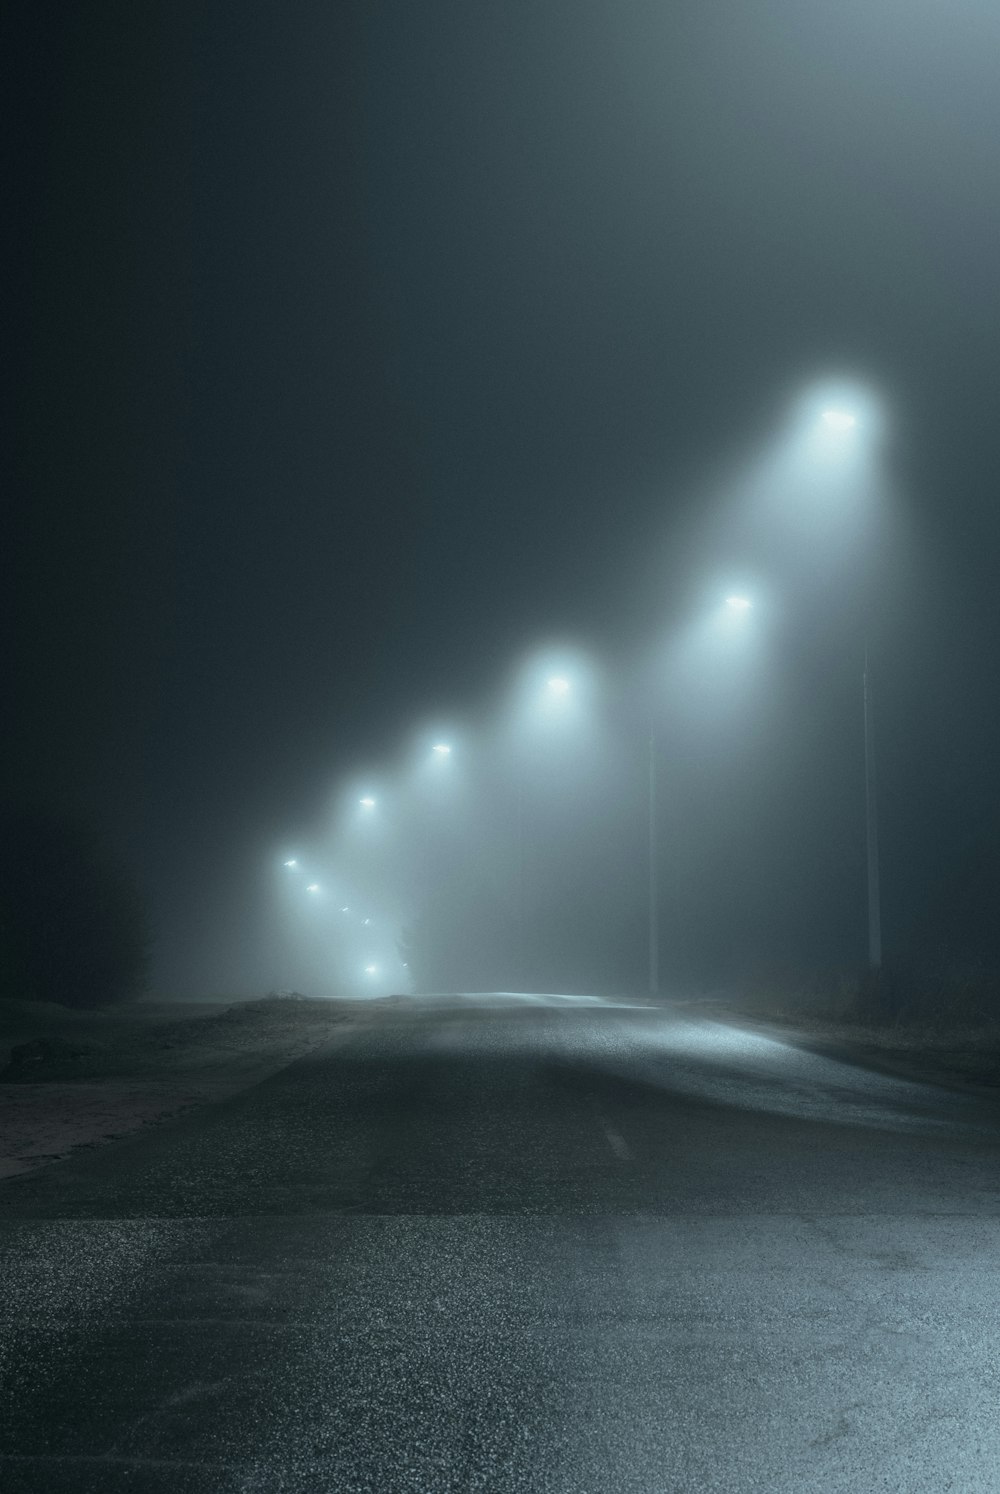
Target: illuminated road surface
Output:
{"points": [[517, 1246]]}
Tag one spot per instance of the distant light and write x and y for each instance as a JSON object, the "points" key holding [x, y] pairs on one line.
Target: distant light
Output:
{"points": [[367, 803], [366, 922], [839, 420], [739, 604], [293, 863], [313, 887], [442, 749], [558, 685], [371, 970], [345, 910]]}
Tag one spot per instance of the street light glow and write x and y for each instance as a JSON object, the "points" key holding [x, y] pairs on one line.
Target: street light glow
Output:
{"points": [[442, 749], [558, 685], [313, 887], [293, 864], [367, 802], [839, 420], [739, 604], [371, 970]]}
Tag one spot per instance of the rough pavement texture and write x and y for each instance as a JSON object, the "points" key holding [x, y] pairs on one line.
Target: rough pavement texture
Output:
{"points": [[589, 1250]]}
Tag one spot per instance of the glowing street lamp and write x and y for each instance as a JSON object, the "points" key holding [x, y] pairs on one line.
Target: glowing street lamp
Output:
{"points": [[293, 864], [557, 688], [367, 802], [313, 887], [740, 606], [442, 749], [371, 970], [549, 701], [840, 420]]}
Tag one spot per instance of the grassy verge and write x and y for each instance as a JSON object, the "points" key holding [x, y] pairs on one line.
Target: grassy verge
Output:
{"points": [[938, 1031]]}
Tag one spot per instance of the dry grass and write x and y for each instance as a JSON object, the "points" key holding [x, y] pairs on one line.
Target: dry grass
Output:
{"points": [[942, 1023]]}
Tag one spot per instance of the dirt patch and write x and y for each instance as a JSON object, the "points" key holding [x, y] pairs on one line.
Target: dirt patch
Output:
{"points": [[74, 1080]]}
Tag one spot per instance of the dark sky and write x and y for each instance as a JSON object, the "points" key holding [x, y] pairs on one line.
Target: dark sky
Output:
{"points": [[356, 346]]}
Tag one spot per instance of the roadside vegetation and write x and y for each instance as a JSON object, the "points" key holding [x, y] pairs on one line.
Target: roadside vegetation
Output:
{"points": [[941, 1018], [73, 926]]}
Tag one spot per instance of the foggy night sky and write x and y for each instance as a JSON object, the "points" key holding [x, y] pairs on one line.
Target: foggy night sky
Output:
{"points": [[356, 347]]}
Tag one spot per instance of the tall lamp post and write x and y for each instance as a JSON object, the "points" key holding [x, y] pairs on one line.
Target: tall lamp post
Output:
{"points": [[654, 922], [737, 605], [841, 422], [871, 828], [557, 690]]}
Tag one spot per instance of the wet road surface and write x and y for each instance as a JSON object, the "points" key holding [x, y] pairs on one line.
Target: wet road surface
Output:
{"points": [[555, 1247]]}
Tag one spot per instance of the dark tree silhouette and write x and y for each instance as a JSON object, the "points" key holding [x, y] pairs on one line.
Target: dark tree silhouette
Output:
{"points": [[73, 927]]}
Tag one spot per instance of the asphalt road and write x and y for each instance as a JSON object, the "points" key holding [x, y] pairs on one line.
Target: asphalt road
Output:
{"points": [[572, 1249]]}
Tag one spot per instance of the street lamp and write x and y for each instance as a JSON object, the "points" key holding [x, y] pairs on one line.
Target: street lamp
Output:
{"points": [[839, 420], [442, 749], [367, 802], [547, 705], [843, 420], [871, 828], [737, 605], [557, 688]]}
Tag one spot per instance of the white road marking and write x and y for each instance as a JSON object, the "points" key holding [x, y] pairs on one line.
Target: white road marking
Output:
{"points": [[618, 1144]]}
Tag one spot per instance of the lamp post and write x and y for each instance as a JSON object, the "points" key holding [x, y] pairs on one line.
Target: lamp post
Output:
{"points": [[654, 922], [738, 605], [522, 973], [841, 421], [871, 827], [556, 694]]}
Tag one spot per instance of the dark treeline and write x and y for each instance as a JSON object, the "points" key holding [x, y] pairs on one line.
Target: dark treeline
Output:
{"points": [[73, 927]]}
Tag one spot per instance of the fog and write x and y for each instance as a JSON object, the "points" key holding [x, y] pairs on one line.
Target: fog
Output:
{"points": [[506, 845], [362, 356]]}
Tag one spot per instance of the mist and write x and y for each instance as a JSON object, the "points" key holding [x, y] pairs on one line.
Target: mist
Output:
{"points": [[371, 372]]}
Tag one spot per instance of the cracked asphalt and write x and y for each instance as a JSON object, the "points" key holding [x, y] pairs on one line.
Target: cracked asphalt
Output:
{"points": [[516, 1245]]}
